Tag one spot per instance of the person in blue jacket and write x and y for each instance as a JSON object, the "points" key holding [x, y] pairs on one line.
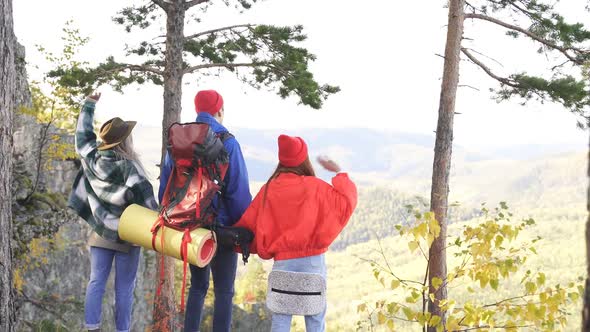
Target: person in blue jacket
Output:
{"points": [[230, 205]]}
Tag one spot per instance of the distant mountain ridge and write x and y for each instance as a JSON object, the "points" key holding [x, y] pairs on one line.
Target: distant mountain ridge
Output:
{"points": [[540, 175]]}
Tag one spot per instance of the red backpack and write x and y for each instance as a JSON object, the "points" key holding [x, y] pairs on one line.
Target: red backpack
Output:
{"points": [[200, 163]]}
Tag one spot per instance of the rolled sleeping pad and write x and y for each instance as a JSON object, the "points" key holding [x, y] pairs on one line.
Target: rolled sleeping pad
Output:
{"points": [[135, 227]]}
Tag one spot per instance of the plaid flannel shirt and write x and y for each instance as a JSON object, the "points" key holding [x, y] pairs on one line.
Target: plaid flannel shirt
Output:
{"points": [[106, 183]]}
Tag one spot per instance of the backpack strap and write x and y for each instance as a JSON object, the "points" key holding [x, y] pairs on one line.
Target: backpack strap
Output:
{"points": [[224, 136]]}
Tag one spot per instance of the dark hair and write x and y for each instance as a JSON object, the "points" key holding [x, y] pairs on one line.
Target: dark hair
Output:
{"points": [[304, 169]]}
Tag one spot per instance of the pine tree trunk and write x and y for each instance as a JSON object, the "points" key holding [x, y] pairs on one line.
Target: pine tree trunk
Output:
{"points": [[7, 103], [437, 265], [165, 305], [586, 309]]}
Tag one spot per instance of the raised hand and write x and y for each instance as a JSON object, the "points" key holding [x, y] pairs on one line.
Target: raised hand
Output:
{"points": [[329, 164], [95, 96]]}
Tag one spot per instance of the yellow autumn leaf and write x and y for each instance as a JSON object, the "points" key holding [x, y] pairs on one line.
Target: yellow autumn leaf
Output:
{"points": [[361, 307], [390, 325], [436, 282], [434, 320], [413, 245], [409, 313]]}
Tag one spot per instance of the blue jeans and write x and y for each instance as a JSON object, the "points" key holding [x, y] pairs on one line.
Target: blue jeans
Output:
{"points": [[101, 260], [223, 267], [310, 264]]}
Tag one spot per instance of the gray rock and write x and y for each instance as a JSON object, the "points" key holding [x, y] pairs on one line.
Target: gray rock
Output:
{"points": [[56, 272]]}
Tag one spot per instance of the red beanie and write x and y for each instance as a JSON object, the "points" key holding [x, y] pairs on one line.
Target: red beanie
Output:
{"points": [[208, 101], [292, 151]]}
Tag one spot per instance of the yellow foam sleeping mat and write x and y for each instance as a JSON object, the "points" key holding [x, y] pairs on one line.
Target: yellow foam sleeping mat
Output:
{"points": [[135, 227]]}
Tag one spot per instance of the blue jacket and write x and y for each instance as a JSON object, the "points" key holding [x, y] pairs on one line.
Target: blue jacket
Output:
{"points": [[236, 194]]}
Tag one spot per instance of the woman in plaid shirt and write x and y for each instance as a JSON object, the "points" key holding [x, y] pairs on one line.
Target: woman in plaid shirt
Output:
{"points": [[110, 179]]}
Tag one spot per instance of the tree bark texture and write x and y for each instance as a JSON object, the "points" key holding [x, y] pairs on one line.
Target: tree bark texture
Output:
{"points": [[586, 309], [173, 71], [165, 305], [7, 104], [442, 154]]}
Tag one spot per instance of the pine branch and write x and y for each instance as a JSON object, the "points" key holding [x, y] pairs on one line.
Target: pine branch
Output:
{"points": [[140, 68], [192, 69], [208, 32], [550, 44], [526, 12], [487, 70], [193, 3]]}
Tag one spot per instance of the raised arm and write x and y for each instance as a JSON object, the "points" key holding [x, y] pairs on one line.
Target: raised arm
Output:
{"points": [[85, 137], [344, 194]]}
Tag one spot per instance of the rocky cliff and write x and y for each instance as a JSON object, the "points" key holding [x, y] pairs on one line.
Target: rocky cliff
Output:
{"points": [[52, 257]]}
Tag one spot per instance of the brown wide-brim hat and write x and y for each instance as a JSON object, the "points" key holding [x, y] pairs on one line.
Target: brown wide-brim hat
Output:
{"points": [[114, 132]]}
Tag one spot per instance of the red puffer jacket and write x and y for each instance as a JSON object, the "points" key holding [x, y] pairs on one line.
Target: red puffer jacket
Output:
{"points": [[302, 215]]}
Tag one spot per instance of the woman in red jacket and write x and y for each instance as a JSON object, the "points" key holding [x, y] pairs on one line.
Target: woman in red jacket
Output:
{"points": [[296, 216]]}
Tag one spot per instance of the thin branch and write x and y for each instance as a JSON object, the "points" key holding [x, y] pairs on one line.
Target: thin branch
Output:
{"points": [[140, 68], [162, 4], [42, 142], [508, 300], [208, 32], [403, 319], [384, 258], [193, 3], [462, 267], [425, 298], [533, 36], [144, 68], [560, 65], [403, 281], [487, 56], [465, 86], [495, 327], [225, 65], [427, 258], [487, 70], [43, 306], [473, 9], [524, 11]]}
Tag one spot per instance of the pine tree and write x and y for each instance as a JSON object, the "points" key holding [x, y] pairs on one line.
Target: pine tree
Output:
{"points": [[262, 56], [532, 20]]}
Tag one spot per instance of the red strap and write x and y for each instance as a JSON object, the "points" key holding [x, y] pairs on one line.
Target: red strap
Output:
{"points": [[159, 291], [155, 227], [165, 198], [186, 239], [200, 185]]}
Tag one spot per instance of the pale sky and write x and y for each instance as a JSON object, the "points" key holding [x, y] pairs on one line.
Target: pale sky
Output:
{"points": [[380, 52]]}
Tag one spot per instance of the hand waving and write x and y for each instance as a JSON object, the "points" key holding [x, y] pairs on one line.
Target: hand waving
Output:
{"points": [[328, 164], [95, 96]]}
